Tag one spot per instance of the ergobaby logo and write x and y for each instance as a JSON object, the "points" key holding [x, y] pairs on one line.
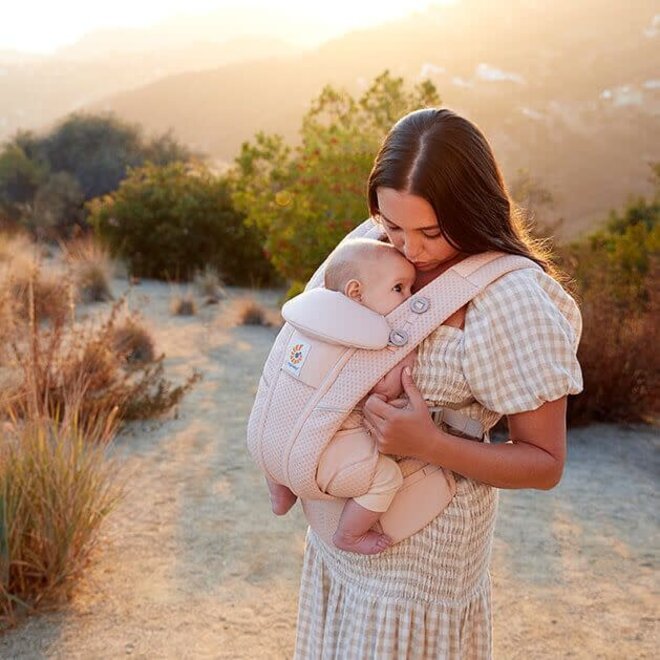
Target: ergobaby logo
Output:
{"points": [[295, 358]]}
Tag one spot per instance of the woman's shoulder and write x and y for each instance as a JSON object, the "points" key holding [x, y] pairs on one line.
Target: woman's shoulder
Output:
{"points": [[520, 342], [527, 293]]}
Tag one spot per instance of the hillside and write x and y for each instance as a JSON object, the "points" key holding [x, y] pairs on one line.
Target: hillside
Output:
{"points": [[566, 92], [36, 90]]}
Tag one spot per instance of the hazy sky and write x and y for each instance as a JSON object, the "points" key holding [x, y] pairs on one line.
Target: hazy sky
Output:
{"points": [[44, 25]]}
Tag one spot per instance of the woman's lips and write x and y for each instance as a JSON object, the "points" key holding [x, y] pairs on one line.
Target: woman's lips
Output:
{"points": [[422, 265]]}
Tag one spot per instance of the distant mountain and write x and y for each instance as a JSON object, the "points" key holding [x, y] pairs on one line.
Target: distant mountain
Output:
{"points": [[565, 90], [568, 90], [35, 90]]}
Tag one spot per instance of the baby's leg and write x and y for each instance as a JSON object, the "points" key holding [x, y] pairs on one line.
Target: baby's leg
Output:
{"points": [[281, 497], [360, 514], [354, 532]]}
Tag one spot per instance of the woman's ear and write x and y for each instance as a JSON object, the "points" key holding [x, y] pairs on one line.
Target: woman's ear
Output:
{"points": [[353, 290]]}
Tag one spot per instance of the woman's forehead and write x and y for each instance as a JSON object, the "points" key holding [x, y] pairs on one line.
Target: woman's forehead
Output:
{"points": [[405, 209]]}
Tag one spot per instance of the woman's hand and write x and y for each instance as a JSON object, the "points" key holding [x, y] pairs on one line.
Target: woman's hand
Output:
{"points": [[401, 431]]}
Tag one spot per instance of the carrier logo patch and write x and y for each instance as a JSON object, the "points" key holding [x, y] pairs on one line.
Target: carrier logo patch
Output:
{"points": [[296, 355]]}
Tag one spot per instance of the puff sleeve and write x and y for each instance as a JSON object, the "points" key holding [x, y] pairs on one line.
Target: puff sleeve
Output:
{"points": [[520, 343]]}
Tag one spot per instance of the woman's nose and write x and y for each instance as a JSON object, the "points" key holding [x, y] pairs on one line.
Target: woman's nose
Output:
{"points": [[411, 247]]}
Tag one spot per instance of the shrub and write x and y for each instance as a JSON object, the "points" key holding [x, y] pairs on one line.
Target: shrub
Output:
{"points": [[619, 357], [56, 208], [250, 312], [55, 362], [98, 150], [45, 178], [169, 222], [132, 342], [91, 267], [56, 487], [209, 284], [183, 305], [46, 294], [616, 271], [20, 177]]}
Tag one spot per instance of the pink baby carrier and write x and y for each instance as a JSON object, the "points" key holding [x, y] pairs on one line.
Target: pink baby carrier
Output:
{"points": [[296, 415]]}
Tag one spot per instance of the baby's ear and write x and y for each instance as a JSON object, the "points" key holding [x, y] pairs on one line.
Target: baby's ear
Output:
{"points": [[353, 290]]}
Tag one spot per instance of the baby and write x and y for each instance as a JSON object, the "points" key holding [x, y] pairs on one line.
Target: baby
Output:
{"points": [[378, 276]]}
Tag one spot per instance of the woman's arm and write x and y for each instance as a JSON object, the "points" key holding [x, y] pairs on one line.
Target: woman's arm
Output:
{"points": [[533, 458]]}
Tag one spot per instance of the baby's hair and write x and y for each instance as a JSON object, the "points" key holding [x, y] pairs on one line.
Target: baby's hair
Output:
{"points": [[348, 260]]}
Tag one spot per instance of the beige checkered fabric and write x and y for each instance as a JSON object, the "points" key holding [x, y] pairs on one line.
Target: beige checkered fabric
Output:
{"points": [[429, 596]]}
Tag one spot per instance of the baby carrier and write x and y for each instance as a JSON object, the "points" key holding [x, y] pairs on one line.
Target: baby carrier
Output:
{"points": [[296, 414]]}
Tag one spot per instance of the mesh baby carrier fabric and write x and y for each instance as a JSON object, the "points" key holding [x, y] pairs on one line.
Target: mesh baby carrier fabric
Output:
{"points": [[292, 422]]}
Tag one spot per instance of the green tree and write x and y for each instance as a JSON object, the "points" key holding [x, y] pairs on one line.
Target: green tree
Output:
{"points": [[622, 251], [616, 272], [170, 221], [94, 150], [57, 206], [20, 178], [98, 150], [304, 199]]}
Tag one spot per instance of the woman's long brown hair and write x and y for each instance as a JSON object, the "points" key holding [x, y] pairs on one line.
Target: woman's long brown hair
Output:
{"points": [[445, 159]]}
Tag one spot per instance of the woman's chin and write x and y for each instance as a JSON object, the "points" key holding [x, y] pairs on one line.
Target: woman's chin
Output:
{"points": [[426, 267]]}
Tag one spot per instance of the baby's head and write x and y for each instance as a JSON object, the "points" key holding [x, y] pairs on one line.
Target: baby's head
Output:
{"points": [[370, 272]]}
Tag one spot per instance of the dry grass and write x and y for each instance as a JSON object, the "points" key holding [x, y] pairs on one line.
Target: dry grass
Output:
{"points": [[249, 312], [52, 363], [183, 304], [91, 267], [13, 246], [45, 293], [56, 486], [209, 285], [133, 342], [65, 388]]}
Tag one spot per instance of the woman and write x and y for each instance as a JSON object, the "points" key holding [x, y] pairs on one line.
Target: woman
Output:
{"points": [[439, 196]]}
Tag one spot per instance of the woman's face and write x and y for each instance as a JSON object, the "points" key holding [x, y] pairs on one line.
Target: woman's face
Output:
{"points": [[412, 227]]}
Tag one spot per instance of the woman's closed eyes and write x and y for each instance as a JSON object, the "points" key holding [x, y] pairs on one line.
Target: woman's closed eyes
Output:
{"points": [[390, 227]]}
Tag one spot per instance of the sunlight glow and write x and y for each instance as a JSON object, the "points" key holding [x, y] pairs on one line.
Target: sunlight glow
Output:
{"points": [[42, 26]]}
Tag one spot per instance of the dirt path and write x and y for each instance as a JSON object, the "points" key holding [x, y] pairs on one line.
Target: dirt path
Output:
{"points": [[193, 565]]}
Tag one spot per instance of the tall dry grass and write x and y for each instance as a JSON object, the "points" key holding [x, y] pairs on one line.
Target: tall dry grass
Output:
{"points": [[65, 389], [56, 361], [91, 267], [248, 311], [57, 485]]}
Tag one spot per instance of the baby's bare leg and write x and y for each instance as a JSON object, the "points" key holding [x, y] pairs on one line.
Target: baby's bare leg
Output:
{"points": [[354, 532], [281, 497]]}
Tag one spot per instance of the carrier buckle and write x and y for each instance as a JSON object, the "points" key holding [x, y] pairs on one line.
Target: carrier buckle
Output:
{"points": [[398, 337], [419, 305]]}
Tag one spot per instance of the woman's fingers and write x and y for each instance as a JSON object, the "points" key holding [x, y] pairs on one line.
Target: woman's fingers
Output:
{"points": [[414, 395]]}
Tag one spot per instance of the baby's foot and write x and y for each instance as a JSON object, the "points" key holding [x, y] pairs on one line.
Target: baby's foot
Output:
{"points": [[281, 499], [369, 543]]}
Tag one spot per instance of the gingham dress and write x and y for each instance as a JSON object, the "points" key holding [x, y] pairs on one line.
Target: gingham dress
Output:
{"points": [[429, 596]]}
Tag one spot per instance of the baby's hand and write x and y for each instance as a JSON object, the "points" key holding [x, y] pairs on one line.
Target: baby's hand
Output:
{"points": [[390, 384], [387, 387]]}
